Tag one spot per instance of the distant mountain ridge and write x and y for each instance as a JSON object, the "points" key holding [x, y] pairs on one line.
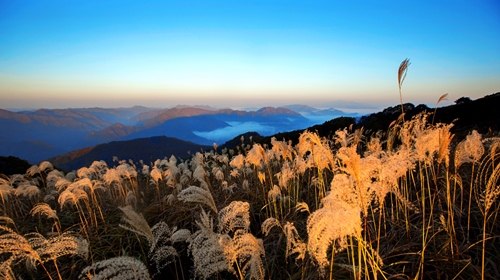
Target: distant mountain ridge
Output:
{"points": [[184, 122], [304, 109], [176, 112], [62, 129], [65, 130], [171, 111], [56, 118], [481, 114], [37, 150], [318, 114], [111, 133]]}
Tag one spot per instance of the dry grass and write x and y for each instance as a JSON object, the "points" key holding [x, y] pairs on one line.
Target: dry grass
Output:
{"points": [[348, 207]]}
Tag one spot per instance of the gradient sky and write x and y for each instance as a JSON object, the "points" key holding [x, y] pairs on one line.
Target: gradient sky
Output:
{"points": [[62, 54]]}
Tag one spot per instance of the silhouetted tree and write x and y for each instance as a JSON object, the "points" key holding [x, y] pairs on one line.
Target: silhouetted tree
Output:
{"points": [[13, 165], [463, 100]]}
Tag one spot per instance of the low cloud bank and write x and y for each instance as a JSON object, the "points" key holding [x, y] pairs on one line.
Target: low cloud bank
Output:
{"points": [[220, 136]]}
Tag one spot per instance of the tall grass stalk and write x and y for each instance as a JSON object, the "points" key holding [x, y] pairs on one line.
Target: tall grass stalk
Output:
{"points": [[488, 181], [403, 69]]}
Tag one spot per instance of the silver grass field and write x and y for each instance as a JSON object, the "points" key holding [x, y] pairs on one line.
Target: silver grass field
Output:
{"points": [[405, 203]]}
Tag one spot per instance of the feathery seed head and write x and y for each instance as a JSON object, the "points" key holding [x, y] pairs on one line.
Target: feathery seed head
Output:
{"points": [[136, 223], [119, 268], [6, 192], [155, 175], [282, 148], [235, 216], [294, 245], [53, 177], [469, 150], [219, 175], [61, 184], [248, 252], [85, 172], [44, 209], [27, 189], [199, 173], [199, 195], [256, 155], [72, 196], [274, 194], [33, 170], [268, 224], [238, 161], [207, 248], [323, 227], [285, 175]]}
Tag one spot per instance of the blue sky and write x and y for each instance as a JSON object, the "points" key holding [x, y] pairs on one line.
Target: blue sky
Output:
{"points": [[61, 54]]}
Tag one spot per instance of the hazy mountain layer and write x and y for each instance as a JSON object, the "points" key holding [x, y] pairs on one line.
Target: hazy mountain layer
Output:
{"points": [[480, 114], [64, 130]]}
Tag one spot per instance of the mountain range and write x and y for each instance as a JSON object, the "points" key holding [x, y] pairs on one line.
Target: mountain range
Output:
{"points": [[466, 115], [148, 139], [45, 133]]}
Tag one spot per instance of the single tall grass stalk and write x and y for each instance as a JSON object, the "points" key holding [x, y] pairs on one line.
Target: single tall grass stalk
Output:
{"points": [[403, 68], [443, 97]]}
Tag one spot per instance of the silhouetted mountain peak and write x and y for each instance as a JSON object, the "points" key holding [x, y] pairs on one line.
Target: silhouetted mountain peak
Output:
{"points": [[265, 111], [172, 113], [311, 111], [19, 117], [117, 125], [111, 133]]}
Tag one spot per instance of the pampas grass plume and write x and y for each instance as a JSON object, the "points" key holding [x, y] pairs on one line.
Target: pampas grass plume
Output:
{"points": [[118, 268]]}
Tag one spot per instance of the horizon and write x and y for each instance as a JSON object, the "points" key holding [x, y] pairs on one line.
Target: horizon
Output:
{"points": [[224, 54], [346, 107]]}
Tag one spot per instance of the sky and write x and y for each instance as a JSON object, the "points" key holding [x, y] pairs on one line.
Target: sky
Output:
{"points": [[239, 54]]}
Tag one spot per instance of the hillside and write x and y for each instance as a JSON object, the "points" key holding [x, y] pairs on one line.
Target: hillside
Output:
{"points": [[113, 132], [31, 150], [481, 114], [60, 130], [146, 149], [13, 165], [168, 114]]}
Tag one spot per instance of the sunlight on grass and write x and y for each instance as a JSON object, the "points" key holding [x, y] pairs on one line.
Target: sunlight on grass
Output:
{"points": [[350, 206]]}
